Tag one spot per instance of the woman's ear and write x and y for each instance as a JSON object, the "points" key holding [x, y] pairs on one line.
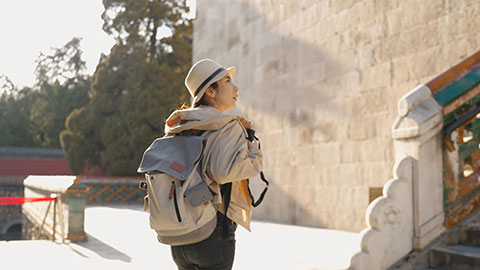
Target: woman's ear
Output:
{"points": [[210, 92]]}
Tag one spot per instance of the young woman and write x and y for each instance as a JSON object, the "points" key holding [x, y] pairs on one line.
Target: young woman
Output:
{"points": [[229, 159]]}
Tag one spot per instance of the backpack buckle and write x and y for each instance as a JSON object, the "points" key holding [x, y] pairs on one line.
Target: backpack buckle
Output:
{"points": [[142, 185]]}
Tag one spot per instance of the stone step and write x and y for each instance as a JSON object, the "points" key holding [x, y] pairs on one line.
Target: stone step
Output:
{"points": [[456, 257], [470, 235]]}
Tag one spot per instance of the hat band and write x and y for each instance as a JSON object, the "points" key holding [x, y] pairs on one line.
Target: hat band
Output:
{"points": [[208, 79]]}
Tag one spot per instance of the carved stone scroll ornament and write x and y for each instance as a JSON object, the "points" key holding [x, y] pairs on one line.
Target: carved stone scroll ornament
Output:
{"points": [[389, 233]]}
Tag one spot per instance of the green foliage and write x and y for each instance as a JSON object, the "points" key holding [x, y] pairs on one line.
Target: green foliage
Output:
{"points": [[62, 87], [133, 88], [52, 106], [64, 66], [34, 116], [15, 127], [75, 139], [6, 85]]}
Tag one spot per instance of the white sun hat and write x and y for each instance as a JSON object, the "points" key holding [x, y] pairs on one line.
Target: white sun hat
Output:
{"points": [[202, 74]]}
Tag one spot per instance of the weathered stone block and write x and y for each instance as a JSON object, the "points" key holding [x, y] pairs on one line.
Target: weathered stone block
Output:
{"points": [[362, 128], [327, 153], [342, 63], [377, 76], [338, 6], [415, 66], [377, 150], [383, 130], [368, 104], [335, 175], [324, 132], [384, 6], [372, 173], [331, 110]]}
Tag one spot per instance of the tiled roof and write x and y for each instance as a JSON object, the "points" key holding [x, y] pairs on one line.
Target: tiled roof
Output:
{"points": [[30, 153]]}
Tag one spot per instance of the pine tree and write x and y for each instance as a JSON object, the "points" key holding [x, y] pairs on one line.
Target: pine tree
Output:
{"points": [[133, 88], [34, 116], [61, 87]]}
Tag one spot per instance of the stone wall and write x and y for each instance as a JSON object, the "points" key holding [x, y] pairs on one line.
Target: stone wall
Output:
{"points": [[11, 215], [321, 80]]}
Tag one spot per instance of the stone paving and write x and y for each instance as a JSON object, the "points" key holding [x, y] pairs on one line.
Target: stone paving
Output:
{"points": [[119, 237]]}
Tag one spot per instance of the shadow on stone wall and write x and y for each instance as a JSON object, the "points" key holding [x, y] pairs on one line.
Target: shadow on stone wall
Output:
{"points": [[286, 87]]}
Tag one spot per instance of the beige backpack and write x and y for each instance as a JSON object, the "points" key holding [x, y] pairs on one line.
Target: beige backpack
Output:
{"points": [[178, 200]]}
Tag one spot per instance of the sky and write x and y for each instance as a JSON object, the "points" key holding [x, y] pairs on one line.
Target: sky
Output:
{"points": [[28, 27]]}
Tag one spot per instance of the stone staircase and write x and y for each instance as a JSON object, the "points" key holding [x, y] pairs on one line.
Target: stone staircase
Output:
{"points": [[456, 249], [460, 253]]}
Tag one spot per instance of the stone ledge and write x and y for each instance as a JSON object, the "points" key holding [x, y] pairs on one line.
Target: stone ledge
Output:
{"points": [[54, 183], [61, 219]]}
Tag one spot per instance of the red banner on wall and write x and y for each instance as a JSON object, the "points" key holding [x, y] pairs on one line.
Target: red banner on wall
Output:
{"points": [[22, 200]]}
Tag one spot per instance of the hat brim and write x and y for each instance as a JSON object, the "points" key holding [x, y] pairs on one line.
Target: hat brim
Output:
{"points": [[231, 71]]}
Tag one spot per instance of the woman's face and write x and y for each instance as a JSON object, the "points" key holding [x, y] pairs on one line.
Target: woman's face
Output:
{"points": [[226, 94]]}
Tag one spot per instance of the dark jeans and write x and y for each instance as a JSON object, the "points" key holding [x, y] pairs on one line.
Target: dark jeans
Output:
{"points": [[214, 253]]}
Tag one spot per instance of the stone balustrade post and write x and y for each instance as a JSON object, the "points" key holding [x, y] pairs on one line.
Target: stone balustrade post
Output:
{"points": [[410, 214], [417, 134], [62, 219]]}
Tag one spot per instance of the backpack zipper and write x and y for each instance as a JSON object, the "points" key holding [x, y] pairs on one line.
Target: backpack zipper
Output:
{"points": [[175, 202]]}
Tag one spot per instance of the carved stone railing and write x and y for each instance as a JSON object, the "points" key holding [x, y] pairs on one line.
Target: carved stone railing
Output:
{"points": [[417, 133], [389, 221], [436, 137], [458, 91], [59, 220], [409, 214]]}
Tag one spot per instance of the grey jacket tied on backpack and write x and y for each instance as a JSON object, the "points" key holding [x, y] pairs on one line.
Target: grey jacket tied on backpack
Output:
{"points": [[184, 181]]}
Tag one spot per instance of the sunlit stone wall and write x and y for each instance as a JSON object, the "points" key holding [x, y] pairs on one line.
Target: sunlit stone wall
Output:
{"points": [[321, 80]]}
